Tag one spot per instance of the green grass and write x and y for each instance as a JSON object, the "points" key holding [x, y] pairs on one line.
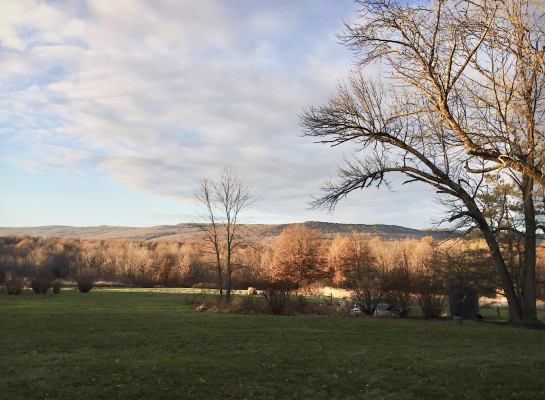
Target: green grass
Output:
{"points": [[125, 344]]}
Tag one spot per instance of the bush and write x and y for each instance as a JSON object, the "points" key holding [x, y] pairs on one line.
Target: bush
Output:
{"points": [[85, 279], [302, 305], [246, 305], [277, 296], [274, 301], [368, 294], [430, 294], [398, 285], [14, 284], [237, 304], [85, 267], [56, 286], [85, 285], [40, 283], [204, 302]]}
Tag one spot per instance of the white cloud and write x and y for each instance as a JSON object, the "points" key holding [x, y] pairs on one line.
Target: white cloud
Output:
{"points": [[157, 95]]}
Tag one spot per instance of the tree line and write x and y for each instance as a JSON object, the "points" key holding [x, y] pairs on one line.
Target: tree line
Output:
{"points": [[424, 272], [117, 261]]}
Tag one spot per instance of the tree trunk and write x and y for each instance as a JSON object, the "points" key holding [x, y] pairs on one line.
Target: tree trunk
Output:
{"points": [[515, 309], [220, 275], [229, 273], [529, 268], [228, 285]]}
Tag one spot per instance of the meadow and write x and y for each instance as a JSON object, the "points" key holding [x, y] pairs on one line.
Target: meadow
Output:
{"points": [[132, 344]]}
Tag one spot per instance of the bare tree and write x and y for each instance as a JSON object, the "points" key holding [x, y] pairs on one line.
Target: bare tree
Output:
{"points": [[222, 201], [464, 96], [86, 268]]}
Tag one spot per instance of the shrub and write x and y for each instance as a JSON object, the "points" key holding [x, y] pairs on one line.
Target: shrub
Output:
{"points": [[85, 268], [144, 282], [432, 305], [40, 283], [398, 285], [279, 302], [14, 284], [430, 295], [302, 303], [56, 286], [368, 294], [198, 302], [85, 284], [237, 304], [277, 296], [85, 279], [246, 305]]}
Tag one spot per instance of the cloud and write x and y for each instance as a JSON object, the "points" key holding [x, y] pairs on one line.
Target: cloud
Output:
{"points": [[157, 95]]}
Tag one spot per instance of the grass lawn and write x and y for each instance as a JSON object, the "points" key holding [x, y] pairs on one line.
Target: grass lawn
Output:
{"points": [[114, 344]]}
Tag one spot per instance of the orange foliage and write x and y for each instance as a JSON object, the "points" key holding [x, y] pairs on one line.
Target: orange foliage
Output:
{"points": [[349, 258], [298, 256]]}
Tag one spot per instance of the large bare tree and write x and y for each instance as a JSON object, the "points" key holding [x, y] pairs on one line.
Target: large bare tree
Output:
{"points": [[461, 95], [222, 201]]}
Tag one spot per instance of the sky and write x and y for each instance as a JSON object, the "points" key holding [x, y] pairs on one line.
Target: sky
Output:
{"points": [[112, 112]]}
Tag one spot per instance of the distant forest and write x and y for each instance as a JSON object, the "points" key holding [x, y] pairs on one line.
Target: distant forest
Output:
{"points": [[298, 255], [250, 233]]}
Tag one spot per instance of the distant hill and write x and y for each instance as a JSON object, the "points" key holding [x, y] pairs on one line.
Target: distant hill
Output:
{"points": [[254, 233]]}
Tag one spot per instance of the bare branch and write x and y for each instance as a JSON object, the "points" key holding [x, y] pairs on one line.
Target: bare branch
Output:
{"points": [[222, 202]]}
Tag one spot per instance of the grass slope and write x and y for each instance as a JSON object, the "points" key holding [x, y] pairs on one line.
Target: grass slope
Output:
{"points": [[148, 344]]}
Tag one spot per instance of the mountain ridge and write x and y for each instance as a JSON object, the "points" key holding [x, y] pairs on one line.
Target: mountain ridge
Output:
{"points": [[254, 233]]}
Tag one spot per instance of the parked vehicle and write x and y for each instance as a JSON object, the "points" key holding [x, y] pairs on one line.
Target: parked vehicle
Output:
{"points": [[389, 310]]}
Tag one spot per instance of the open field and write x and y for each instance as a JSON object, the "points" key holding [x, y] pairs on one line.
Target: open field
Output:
{"points": [[147, 344]]}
